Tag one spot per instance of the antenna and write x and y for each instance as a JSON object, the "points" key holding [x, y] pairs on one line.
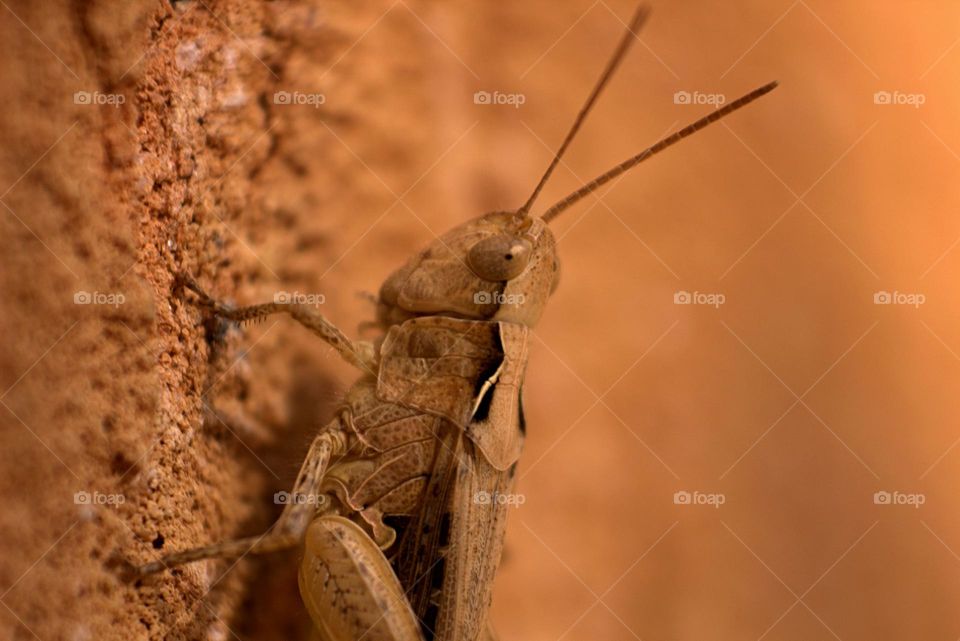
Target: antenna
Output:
{"points": [[639, 17], [673, 138]]}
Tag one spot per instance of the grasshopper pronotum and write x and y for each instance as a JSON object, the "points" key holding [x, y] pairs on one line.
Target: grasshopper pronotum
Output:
{"points": [[398, 543]]}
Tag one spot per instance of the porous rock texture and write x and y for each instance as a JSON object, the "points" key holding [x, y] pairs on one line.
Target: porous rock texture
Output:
{"points": [[178, 157]]}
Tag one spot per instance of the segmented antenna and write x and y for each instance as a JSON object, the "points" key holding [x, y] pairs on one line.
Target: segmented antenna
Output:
{"points": [[675, 137], [638, 19]]}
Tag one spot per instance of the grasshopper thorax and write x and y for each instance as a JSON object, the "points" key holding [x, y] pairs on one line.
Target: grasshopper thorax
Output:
{"points": [[501, 266]]}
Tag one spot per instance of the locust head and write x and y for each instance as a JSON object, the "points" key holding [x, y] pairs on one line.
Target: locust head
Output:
{"points": [[501, 266]]}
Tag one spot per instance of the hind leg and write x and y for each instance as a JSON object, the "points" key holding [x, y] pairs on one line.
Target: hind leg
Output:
{"points": [[349, 588], [288, 531]]}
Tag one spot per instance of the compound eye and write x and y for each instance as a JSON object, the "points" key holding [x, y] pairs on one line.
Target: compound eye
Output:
{"points": [[500, 257]]}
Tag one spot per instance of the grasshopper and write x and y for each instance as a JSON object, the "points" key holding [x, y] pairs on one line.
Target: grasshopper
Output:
{"points": [[397, 505]]}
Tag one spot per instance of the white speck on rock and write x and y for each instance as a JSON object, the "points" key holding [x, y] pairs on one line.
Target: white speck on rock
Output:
{"points": [[188, 54], [229, 58], [153, 481], [235, 97]]}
